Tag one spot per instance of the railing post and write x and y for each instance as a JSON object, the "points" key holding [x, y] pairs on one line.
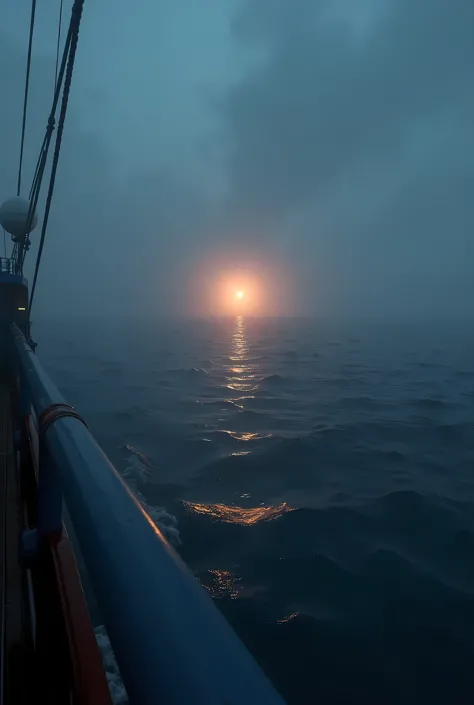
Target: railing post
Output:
{"points": [[25, 399], [50, 498]]}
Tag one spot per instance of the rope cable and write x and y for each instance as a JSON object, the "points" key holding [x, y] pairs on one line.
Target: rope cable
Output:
{"points": [[57, 86], [27, 85], [41, 163], [35, 177], [76, 16], [58, 43]]}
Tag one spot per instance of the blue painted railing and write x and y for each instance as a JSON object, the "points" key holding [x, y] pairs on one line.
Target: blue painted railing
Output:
{"points": [[172, 644]]}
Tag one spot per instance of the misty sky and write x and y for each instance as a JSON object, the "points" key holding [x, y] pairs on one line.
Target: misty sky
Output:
{"points": [[325, 147]]}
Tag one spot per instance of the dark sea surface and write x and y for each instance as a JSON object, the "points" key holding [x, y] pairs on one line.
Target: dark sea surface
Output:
{"points": [[318, 477]]}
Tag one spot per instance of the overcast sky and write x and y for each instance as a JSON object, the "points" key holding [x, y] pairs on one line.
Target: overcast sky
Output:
{"points": [[321, 149]]}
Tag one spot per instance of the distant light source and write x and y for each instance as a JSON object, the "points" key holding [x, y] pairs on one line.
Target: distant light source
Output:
{"points": [[21, 308], [239, 294]]}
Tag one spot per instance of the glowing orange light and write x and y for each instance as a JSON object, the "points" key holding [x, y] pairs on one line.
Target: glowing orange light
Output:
{"points": [[240, 281], [231, 514]]}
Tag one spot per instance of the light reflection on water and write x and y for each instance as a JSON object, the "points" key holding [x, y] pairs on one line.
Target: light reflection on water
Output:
{"points": [[228, 584], [287, 618], [243, 376], [245, 435], [239, 515], [224, 584]]}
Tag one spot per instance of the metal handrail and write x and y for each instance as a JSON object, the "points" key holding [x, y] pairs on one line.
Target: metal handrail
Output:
{"points": [[172, 644], [7, 265]]}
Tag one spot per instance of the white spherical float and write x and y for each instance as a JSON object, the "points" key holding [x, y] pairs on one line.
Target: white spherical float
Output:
{"points": [[14, 218]]}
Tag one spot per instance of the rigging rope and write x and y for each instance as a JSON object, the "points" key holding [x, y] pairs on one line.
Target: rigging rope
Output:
{"points": [[58, 43], [45, 144], [70, 54], [41, 163], [27, 85]]}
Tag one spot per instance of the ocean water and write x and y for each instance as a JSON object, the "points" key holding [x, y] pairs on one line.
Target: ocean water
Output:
{"points": [[318, 478]]}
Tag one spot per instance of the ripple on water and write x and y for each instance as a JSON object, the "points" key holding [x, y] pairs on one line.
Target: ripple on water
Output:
{"points": [[340, 547]]}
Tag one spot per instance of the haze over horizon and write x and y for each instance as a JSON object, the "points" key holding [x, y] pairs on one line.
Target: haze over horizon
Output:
{"points": [[316, 154]]}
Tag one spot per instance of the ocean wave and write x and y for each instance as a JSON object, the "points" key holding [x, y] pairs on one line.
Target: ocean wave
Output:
{"points": [[138, 470], [330, 585], [336, 380], [222, 404], [163, 520], [187, 373], [274, 380], [248, 420], [264, 401], [433, 533], [139, 464], [360, 402], [233, 514], [433, 403], [354, 594], [427, 364], [114, 679], [231, 439]]}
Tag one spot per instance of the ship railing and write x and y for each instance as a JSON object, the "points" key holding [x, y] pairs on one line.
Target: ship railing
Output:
{"points": [[171, 643], [7, 265]]}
